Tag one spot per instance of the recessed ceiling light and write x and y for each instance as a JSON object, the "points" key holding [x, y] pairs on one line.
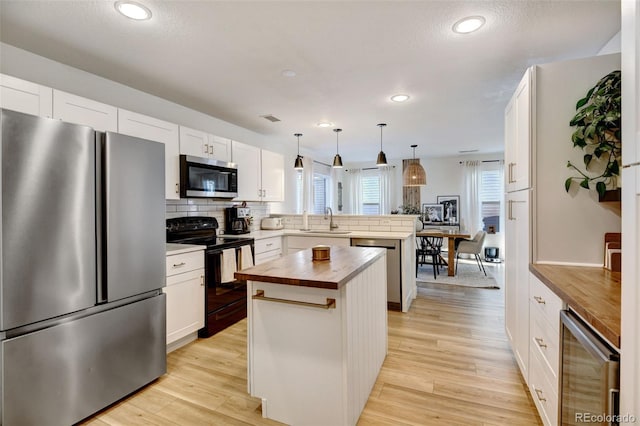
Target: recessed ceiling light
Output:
{"points": [[289, 73], [399, 98], [469, 24], [133, 10], [325, 124]]}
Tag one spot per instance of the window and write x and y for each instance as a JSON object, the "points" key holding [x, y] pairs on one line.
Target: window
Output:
{"points": [[299, 192], [490, 198], [320, 191], [371, 193], [319, 188]]}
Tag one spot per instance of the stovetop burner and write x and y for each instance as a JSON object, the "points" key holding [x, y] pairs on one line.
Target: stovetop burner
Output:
{"points": [[200, 230]]}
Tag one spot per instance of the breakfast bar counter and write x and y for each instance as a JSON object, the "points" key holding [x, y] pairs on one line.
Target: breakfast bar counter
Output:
{"points": [[593, 293], [317, 334]]}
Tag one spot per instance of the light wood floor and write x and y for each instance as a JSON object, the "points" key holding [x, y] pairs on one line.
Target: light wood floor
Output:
{"points": [[449, 363]]}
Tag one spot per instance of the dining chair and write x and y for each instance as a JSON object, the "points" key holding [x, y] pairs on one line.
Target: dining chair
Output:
{"points": [[474, 247], [429, 247]]}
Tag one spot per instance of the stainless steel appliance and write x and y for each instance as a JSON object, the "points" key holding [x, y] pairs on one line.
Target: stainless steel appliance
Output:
{"points": [[236, 220], [82, 315], [226, 302], [590, 382], [208, 178], [394, 272]]}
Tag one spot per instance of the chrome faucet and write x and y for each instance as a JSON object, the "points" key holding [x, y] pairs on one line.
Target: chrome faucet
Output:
{"points": [[331, 224]]}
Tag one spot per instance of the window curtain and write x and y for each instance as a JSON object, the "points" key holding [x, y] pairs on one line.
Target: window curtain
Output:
{"points": [[386, 188], [353, 199], [471, 220], [307, 185]]}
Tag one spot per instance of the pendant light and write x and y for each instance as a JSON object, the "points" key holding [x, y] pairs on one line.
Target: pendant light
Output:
{"points": [[382, 158], [337, 160], [414, 174], [298, 164]]}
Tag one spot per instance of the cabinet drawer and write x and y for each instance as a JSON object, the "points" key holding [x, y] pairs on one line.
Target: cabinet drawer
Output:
{"points": [[185, 262], [268, 244], [265, 257], [545, 302], [547, 340], [543, 387], [295, 242]]}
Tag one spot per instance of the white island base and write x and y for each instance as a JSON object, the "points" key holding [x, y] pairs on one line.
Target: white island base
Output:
{"points": [[312, 365]]}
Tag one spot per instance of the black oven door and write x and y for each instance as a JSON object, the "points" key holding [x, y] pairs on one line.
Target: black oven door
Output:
{"points": [[209, 178], [589, 380]]}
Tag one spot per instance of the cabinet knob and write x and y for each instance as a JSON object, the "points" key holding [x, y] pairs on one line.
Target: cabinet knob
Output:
{"points": [[177, 188], [206, 148], [179, 265], [539, 299], [202, 280]]}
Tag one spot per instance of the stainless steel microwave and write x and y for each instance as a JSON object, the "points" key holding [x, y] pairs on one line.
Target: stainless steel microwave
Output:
{"points": [[208, 178]]}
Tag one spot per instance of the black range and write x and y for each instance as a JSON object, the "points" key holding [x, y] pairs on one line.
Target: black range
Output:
{"points": [[225, 302]]}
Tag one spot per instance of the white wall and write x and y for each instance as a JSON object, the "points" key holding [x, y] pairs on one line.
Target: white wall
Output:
{"points": [[570, 227], [613, 46]]}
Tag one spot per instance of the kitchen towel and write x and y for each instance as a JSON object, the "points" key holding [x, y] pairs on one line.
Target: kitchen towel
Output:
{"points": [[228, 265], [246, 259]]}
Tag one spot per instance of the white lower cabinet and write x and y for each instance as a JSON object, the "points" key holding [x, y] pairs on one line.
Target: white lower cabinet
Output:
{"points": [[267, 249], [544, 349], [295, 243], [185, 297]]}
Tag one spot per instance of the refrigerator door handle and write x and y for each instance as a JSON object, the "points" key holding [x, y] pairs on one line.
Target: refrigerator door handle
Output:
{"points": [[101, 282]]}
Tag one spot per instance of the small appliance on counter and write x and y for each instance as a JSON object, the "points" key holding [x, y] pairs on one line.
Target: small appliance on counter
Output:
{"points": [[271, 223], [236, 220]]}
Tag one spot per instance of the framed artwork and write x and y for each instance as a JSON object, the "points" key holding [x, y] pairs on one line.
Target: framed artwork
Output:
{"points": [[432, 213], [450, 208]]}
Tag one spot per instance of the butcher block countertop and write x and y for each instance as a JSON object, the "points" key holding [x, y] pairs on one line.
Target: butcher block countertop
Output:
{"points": [[594, 293], [300, 270]]}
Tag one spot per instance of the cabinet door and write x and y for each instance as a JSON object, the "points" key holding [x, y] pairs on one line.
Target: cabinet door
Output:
{"points": [[79, 110], [510, 143], [185, 304], [142, 126], [519, 137], [272, 176], [247, 158], [219, 148], [25, 96], [517, 253], [194, 142]]}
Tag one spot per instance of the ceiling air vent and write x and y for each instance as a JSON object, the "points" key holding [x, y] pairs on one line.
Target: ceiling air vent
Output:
{"points": [[467, 151], [271, 118]]}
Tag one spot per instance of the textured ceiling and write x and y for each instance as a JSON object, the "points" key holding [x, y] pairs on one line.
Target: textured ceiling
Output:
{"points": [[225, 58]]}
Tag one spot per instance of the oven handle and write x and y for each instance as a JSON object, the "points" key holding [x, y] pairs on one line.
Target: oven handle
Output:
{"points": [[586, 337]]}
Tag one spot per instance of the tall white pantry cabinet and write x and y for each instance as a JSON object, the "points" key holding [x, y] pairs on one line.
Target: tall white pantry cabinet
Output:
{"points": [[544, 223], [630, 350]]}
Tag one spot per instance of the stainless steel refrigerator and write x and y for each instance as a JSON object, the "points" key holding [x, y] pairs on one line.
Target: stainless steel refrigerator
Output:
{"points": [[82, 234]]}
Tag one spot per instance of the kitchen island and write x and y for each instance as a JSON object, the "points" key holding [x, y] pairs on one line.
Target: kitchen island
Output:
{"points": [[317, 334]]}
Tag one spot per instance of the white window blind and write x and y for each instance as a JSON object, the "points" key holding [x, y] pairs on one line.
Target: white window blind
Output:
{"points": [[491, 193], [299, 191], [320, 189], [371, 194]]}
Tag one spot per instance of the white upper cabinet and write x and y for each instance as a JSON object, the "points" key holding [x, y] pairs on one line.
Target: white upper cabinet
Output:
{"points": [[79, 110], [201, 144], [272, 176], [25, 96], [247, 158], [220, 148], [518, 135], [142, 126], [260, 173]]}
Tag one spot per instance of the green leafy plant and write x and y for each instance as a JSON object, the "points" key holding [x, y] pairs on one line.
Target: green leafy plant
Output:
{"points": [[409, 209], [597, 133]]}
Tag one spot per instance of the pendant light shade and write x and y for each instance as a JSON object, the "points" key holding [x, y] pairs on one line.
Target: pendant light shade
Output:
{"points": [[382, 158], [414, 174], [298, 164], [337, 160]]}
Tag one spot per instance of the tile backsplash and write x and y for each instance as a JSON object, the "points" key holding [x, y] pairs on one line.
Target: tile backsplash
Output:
{"points": [[213, 208], [381, 223]]}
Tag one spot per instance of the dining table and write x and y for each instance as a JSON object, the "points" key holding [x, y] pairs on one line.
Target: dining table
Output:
{"points": [[451, 236]]}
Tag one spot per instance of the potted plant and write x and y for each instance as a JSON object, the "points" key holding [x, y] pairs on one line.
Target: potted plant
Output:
{"points": [[597, 133]]}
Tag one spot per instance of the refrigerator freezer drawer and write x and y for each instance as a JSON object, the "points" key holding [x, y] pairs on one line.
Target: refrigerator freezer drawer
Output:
{"points": [[62, 374]]}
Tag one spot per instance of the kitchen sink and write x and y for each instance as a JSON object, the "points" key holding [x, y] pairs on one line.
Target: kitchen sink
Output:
{"points": [[318, 231]]}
